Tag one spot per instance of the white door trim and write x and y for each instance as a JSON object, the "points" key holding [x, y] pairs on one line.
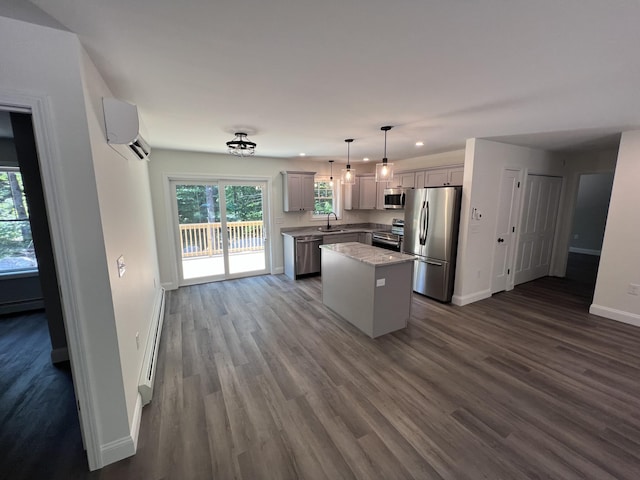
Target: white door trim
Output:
{"points": [[514, 218], [59, 224]]}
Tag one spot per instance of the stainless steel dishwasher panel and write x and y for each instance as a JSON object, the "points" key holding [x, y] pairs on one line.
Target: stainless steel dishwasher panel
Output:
{"points": [[308, 255]]}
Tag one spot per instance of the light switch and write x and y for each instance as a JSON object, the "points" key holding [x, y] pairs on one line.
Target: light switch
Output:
{"points": [[380, 282], [121, 266]]}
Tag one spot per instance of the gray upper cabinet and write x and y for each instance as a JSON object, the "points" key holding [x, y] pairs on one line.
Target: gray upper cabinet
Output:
{"points": [[298, 191], [404, 180], [367, 193], [352, 195], [438, 177]]}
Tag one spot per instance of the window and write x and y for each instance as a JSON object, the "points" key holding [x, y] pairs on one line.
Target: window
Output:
{"points": [[16, 244], [325, 197]]}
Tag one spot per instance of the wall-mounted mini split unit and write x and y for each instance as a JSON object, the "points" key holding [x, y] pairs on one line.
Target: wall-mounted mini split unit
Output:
{"points": [[123, 126]]}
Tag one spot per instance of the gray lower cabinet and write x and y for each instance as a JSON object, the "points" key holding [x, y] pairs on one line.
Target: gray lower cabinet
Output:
{"points": [[365, 237], [302, 256], [341, 238]]}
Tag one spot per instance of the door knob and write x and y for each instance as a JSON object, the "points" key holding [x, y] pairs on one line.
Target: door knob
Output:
{"points": [[500, 240]]}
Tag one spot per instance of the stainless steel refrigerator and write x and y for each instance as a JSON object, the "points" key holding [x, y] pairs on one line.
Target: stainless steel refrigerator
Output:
{"points": [[431, 221]]}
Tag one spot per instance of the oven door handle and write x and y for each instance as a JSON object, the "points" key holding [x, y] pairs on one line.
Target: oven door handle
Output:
{"points": [[385, 242]]}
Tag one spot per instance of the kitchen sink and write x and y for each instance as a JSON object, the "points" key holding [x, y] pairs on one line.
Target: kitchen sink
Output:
{"points": [[332, 230]]}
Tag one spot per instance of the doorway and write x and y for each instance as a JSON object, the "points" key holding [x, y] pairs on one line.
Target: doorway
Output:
{"points": [[38, 404], [220, 229], [587, 230]]}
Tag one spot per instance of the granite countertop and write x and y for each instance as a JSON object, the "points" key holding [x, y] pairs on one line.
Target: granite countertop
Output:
{"points": [[367, 254], [306, 231]]}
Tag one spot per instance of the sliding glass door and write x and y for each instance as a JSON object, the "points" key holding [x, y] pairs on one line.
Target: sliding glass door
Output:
{"points": [[221, 231]]}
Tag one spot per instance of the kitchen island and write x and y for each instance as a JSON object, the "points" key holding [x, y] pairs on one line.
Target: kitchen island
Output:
{"points": [[370, 287]]}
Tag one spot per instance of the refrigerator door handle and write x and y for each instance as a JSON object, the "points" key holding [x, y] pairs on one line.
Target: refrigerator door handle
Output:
{"points": [[426, 223], [421, 237], [437, 264]]}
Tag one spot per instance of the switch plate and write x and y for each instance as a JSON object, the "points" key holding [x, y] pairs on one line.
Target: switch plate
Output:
{"points": [[122, 267], [380, 282], [634, 289]]}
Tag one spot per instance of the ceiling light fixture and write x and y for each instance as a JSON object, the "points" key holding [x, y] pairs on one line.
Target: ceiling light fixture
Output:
{"points": [[331, 177], [241, 146], [349, 174], [384, 170], [419, 144], [365, 159]]}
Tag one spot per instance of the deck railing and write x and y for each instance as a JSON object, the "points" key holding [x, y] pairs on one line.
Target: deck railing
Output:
{"points": [[205, 239]]}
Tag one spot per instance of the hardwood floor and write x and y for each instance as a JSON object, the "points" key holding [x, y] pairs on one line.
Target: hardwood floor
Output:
{"points": [[39, 428], [257, 379]]}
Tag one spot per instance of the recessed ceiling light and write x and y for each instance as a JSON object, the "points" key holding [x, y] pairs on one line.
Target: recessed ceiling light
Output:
{"points": [[303, 154], [365, 159], [419, 144]]}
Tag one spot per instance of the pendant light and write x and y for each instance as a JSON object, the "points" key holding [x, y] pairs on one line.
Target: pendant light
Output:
{"points": [[384, 170], [331, 177], [349, 174]]}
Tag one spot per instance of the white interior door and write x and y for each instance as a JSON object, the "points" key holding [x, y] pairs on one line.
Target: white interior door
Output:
{"points": [[503, 251], [539, 213], [220, 229]]}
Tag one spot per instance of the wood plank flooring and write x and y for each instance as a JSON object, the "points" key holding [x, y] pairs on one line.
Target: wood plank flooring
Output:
{"points": [[39, 428], [258, 380]]}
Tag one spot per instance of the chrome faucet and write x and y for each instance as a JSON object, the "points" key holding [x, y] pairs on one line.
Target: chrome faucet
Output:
{"points": [[328, 217]]}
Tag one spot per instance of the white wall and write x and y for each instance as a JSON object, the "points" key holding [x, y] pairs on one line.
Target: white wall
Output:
{"points": [[127, 223], [173, 162], [621, 247], [484, 162], [45, 63]]}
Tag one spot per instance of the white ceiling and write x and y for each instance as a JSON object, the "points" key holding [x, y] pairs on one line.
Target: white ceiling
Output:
{"points": [[304, 75]]}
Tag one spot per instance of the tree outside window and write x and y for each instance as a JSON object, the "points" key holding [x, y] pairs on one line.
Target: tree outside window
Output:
{"points": [[325, 197], [16, 243]]}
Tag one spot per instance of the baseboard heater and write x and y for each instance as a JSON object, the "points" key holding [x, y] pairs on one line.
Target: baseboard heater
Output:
{"points": [[148, 372]]}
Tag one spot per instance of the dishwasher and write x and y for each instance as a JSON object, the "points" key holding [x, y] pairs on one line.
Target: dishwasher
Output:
{"points": [[308, 255]]}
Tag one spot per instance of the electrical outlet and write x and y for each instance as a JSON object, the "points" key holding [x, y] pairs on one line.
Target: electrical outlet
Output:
{"points": [[634, 289], [380, 282]]}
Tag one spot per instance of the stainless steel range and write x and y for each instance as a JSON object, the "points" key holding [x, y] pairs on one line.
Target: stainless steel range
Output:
{"points": [[390, 240]]}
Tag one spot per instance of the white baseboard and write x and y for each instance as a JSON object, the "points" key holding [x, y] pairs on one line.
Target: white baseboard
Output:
{"points": [[277, 271], [585, 251], [462, 300], [117, 450], [59, 355], [137, 418], [613, 314], [126, 446]]}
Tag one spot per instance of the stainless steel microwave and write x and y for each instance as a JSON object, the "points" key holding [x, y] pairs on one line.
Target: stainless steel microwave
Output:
{"points": [[394, 198]]}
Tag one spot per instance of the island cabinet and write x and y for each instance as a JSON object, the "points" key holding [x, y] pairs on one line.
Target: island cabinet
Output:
{"points": [[298, 191], [369, 287]]}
